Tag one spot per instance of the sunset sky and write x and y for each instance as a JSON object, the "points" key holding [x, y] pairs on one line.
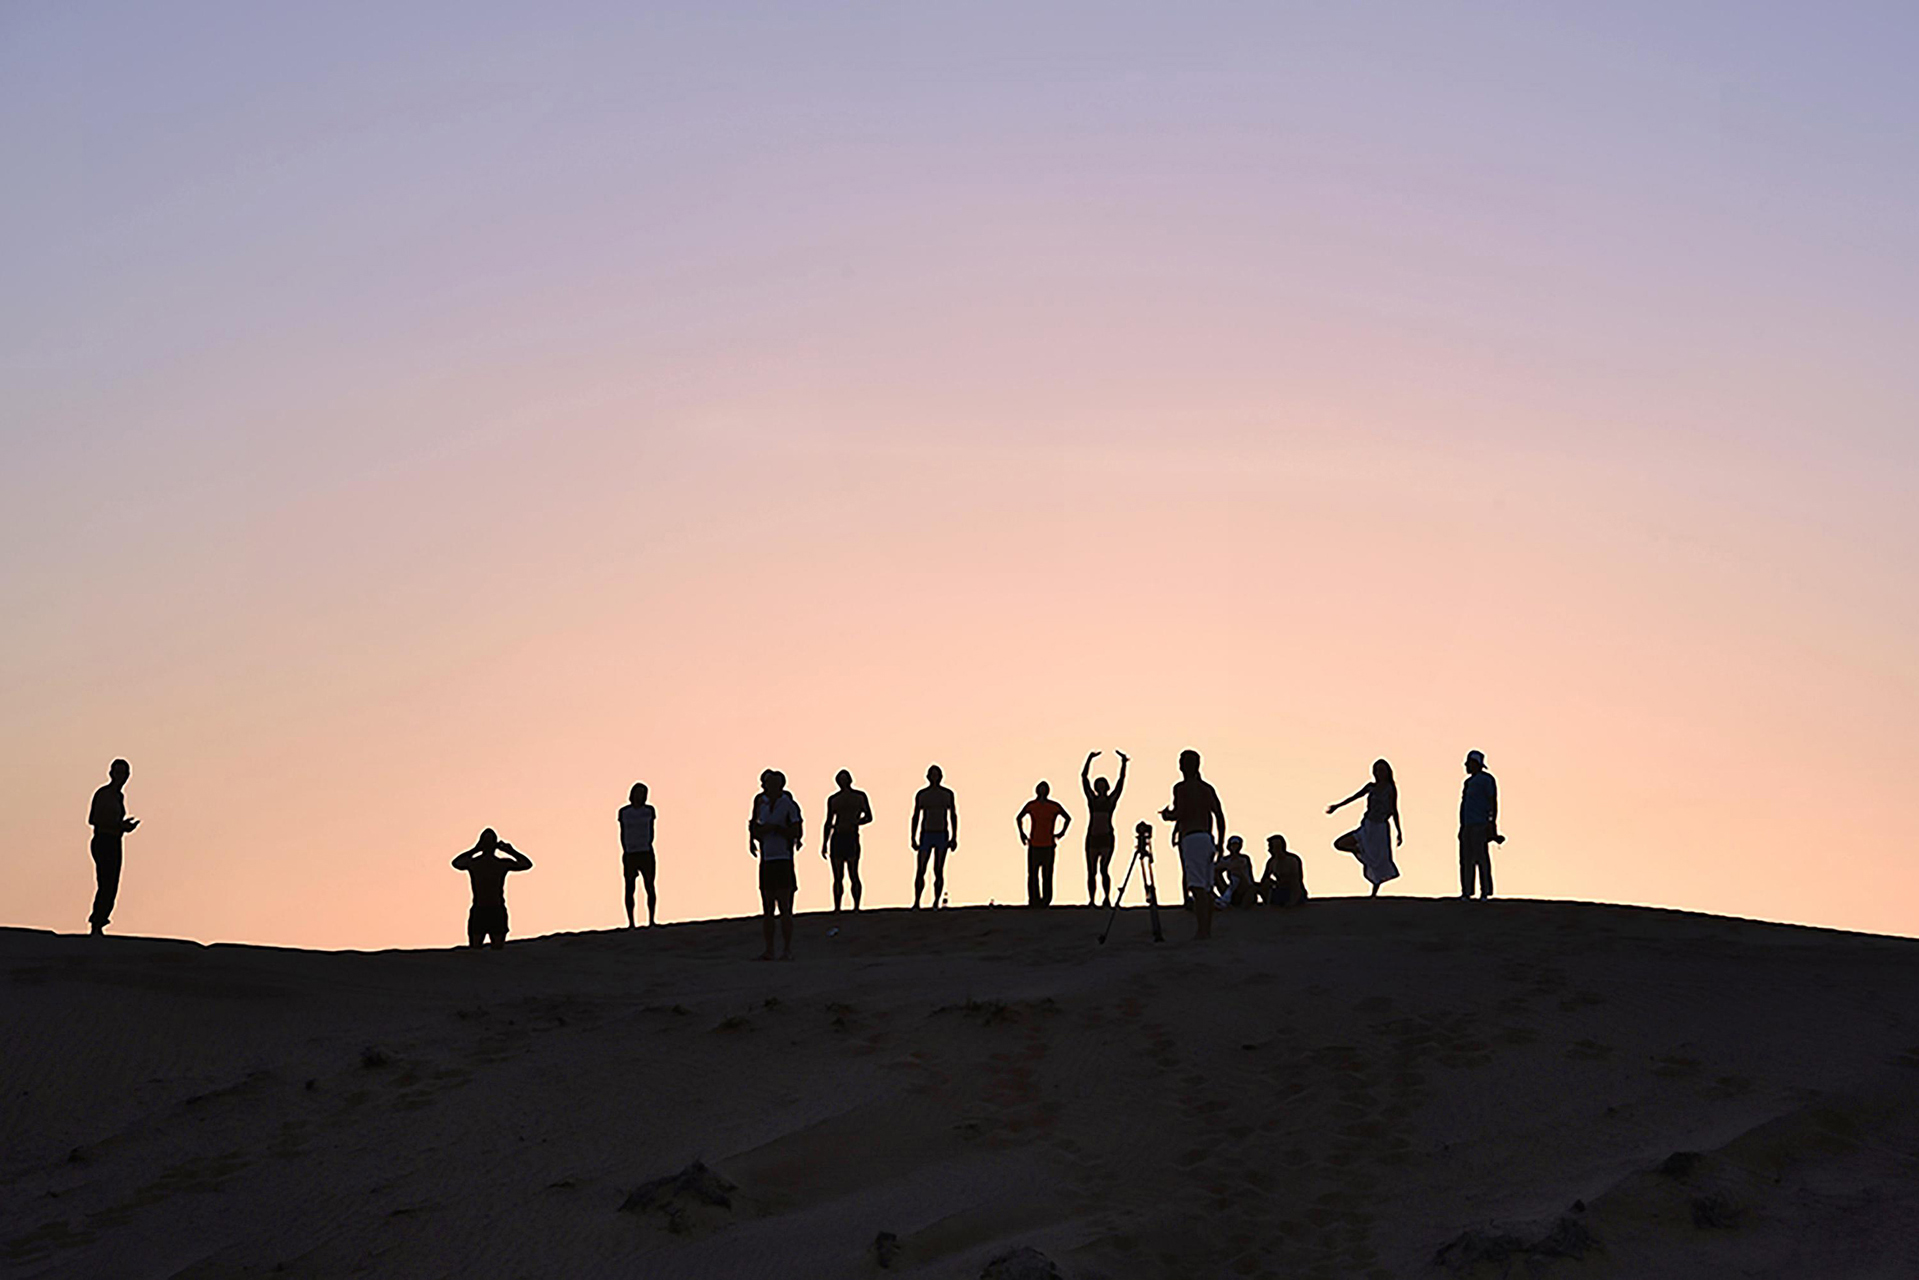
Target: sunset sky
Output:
{"points": [[424, 417]]}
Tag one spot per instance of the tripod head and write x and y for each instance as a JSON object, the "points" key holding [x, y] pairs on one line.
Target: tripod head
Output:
{"points": [[1144, 834]]}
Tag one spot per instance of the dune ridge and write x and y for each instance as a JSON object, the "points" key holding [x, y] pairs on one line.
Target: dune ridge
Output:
{"points": [[1389, 1088]]}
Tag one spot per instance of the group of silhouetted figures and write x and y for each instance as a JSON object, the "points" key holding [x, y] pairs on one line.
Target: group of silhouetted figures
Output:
{"points": [[1215, 871]]}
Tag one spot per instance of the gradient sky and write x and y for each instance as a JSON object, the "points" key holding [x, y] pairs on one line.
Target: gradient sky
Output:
{"points": [[430, 416]]}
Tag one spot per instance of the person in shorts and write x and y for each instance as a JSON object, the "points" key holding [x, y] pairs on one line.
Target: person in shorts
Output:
{"points": [[934, 832], [487, 865], [636, 850], [773, 835], [1196, 814], [847, 810]]}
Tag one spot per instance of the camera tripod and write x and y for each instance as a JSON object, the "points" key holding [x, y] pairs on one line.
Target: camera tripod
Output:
{"points": [[1143, 859]]}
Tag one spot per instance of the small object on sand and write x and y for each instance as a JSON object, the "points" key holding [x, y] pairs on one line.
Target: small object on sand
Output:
{"points": [[834, 932], [678, 1196], [374, 1057], [1023, 1263], [886, 1247]]}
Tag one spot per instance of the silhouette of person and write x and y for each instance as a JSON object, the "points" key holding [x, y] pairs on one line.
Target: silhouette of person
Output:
{"points": [[847, 811], [934, 832], [1194, 813], [108, 817], [1371, 841], [1100, 839], [1283, 883], [1041, 813], [774, 834], [636, 850], [1478, 827], [1233, 877], [488, 870]]}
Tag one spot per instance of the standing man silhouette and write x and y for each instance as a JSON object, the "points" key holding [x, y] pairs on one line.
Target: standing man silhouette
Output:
{"points": [[1478, 827], [934, 832], [108, 818], [774, 834], [486, 921], [636, 849], [1100, 839], [1194, 813], [1042, 812], [847, 811]]}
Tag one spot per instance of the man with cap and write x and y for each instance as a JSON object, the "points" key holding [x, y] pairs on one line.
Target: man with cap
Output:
{"points": [[1478, 827]]}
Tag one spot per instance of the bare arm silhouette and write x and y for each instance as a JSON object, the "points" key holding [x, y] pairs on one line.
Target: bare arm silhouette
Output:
{"points": [[1086, 775], [515, 860], [952, 819], [1119, 784], [1335, 808], [1019, 823]]}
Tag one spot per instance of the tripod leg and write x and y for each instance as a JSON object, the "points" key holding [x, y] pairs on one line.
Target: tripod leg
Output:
{"points": [[1118, 897], [1152, 901]]}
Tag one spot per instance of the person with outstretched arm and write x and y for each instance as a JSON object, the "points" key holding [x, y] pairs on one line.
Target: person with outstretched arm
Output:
{"points": [[1370, 842], [636, 850], [1042, 812], [1196, 816], [1478, 827], [108, 818], [933, 833], [1100, 837], [774, 834], [487, 865], [847, 810]]}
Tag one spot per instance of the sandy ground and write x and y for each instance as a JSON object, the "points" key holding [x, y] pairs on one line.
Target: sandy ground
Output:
{"points": [[1380, 1089]]}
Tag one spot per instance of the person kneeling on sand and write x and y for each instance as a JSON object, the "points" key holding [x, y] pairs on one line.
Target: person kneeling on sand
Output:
{"points": [[1194, 812], [1283, 884], [773, 835], [487, 868], [1234, 876]]}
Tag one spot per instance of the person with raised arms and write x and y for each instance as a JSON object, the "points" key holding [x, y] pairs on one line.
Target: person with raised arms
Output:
{"points": [[487, 865], [1100, 837]]}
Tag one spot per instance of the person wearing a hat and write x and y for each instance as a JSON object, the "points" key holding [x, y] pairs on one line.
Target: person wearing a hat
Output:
{"points": [[1478, 827]]}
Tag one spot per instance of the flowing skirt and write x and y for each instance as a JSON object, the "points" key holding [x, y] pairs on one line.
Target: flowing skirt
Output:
{"points": [[1372, 844]]}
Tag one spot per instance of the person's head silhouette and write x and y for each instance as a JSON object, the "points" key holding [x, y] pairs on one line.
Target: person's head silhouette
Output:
{"points": [[1042, 791], [1276, 844], [489, 840], [1382, 773], [773, 782], [934, 773], [119, 771], [1101, 786], [1475, 761], [1234, 844], [845, 779], [638, 794], [1189, 762]]}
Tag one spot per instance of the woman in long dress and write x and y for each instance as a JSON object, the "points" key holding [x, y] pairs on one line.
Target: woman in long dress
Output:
{"points": [[1371, 842]]}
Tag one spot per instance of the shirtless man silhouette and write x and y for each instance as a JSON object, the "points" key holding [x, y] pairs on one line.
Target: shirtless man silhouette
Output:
{"points": [[1195, 813], [934, 833], [488, 869], [847, 810]]}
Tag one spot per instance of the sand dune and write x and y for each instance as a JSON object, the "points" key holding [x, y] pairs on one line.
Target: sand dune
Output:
{"points": [[1383, 1089]]}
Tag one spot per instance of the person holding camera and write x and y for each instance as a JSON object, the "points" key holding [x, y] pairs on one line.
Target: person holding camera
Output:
{"points": [[773, 835], [1478, 827], [108, 818], [487, 869], [1195, 814]]}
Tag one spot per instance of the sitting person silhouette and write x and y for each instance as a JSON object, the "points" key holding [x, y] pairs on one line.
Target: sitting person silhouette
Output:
{"points": [[1233, 876], [488, 869], [1283, 883]]}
